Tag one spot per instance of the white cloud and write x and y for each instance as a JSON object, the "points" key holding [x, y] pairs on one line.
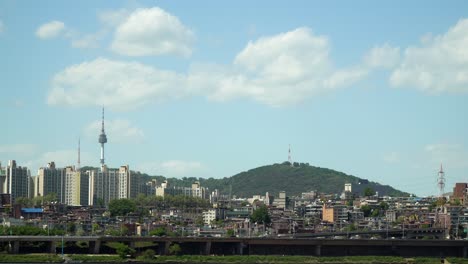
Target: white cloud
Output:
{"points": [[451, 155], [50, 30], [18, 149], [119, 85], [62, 158], [109, 19], [117, 131], [280, 70], [77, 39], [341, 78], [150, 31], [113, 18], [86, 41], [2, 27], [438, 64], [384, 56], [173, 168]]}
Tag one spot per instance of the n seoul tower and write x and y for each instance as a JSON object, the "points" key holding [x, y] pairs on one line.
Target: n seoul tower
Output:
{"points": [[102, 141]]}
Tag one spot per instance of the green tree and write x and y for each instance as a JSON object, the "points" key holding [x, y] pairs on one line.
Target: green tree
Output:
{"points": [[441, 202], [230, 233], [199, 221], [261, 215], [384, 206], [160, 231], [49, 198], [24, 201], [366, 209], [121, 207], [148, 254], [71, 228], [218, 223], [368, 191], [375, 212], [123, 250], [175, 249], [351, 227], [95, 229], [455, 201]]}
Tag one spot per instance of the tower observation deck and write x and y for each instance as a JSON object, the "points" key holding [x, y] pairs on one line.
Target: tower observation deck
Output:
{"points": [[102, 140]]}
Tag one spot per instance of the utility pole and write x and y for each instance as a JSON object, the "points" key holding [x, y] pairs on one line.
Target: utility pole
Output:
{"points": [[441, 182]]}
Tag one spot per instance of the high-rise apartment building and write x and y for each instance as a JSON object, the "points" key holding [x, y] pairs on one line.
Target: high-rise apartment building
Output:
{"points": [[76, 187], [50, 180], [124, 182], [110, 184], [2, 178], [17, 181]]}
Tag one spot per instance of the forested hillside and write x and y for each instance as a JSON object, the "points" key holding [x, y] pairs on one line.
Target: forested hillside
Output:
{"points": [[283, 177]]}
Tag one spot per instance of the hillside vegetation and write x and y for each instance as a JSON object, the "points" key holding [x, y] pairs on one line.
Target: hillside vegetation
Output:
{"points": [[283, 177]]}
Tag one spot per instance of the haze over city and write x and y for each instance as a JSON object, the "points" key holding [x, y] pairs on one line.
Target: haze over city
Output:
{"points": [[210, 89]]}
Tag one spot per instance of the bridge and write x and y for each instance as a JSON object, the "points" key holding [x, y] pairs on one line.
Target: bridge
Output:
{"points": [[246, 246], [419, 233]]}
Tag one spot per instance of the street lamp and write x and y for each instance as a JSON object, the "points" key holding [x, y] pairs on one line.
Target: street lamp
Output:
{"points": [[62, 247], [403, 231], [387, 229]]}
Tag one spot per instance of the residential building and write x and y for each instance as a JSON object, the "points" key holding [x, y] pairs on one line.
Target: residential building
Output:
{"points": [[17, 181], [76, 187], [124, 182], [281, 201], [2, 178], [457, 218], [459, 191], [150, 187], [50, 180], [335, 213], [102, 186], [108, 184], [209, 216], [194, 191]]}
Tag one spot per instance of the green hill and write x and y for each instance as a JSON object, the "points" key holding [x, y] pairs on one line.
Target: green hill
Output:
{"points": [[292, 179]]}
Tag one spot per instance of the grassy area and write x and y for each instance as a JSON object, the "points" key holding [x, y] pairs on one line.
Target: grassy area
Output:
{"points": [[30, 258], [35, 258], [97, 258], [302, 259]]}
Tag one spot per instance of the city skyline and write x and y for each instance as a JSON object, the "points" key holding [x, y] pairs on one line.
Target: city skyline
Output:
{"points": [[208, 89]]}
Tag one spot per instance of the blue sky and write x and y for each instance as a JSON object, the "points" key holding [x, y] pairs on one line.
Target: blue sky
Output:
{"points": [[209, 89]]}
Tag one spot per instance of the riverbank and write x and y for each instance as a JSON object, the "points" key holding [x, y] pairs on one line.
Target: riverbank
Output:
{"points": [[90, 259]]}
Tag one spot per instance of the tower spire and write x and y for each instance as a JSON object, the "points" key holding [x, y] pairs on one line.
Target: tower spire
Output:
{"points": [[102, 140], [102, 122], [289, 155], [78, 165]]}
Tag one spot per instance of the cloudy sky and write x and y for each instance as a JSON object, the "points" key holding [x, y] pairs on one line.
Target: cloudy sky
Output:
{"points": [[212, 88]]}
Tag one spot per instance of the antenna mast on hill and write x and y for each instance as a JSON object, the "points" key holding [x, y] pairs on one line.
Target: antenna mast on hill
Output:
{"points": [[289, 155], [441, 182]]}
